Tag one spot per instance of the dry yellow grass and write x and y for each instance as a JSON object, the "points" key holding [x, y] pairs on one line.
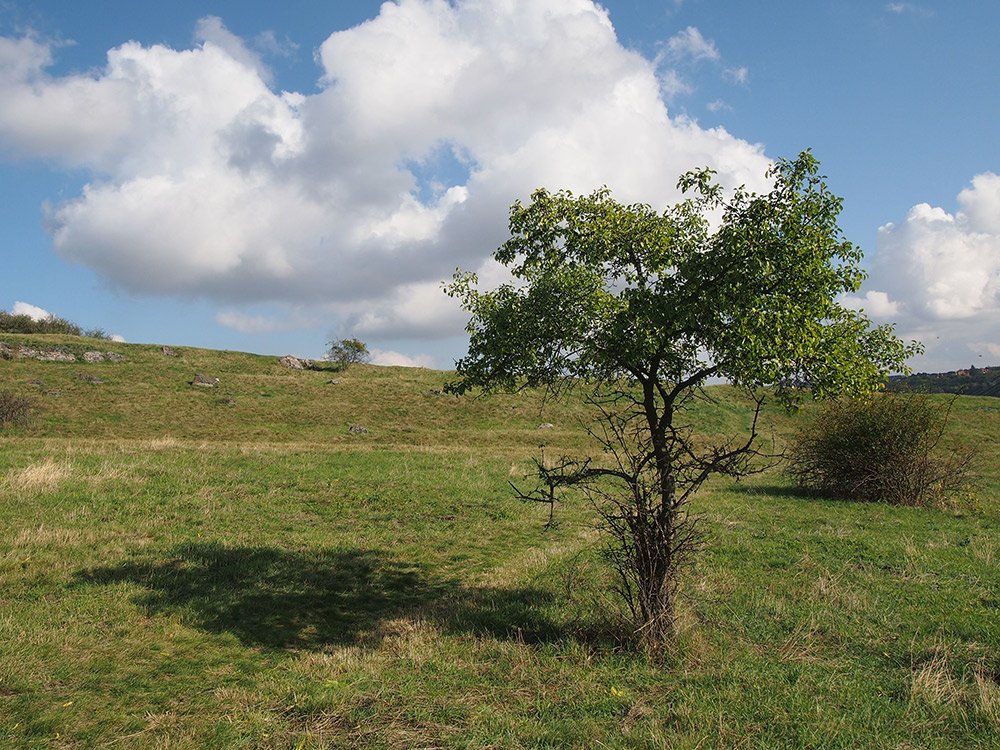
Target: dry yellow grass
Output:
{"points": [[988, 697], [45, 476], [985, 549], [159, 444], [50, 536], [934, 684]]}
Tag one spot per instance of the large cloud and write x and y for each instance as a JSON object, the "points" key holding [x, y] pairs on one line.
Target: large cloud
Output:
{"points": [[938, 273], [429, 121]]}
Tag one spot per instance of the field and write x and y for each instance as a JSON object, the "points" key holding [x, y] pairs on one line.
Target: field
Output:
{"points": [[233, 567]]}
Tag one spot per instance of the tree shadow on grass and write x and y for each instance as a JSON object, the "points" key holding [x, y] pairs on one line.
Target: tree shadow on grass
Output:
{"points": [[280, 599]]}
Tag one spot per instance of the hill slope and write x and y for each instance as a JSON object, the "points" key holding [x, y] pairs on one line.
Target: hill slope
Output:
{"points": [[149, 395], [233, 567]]}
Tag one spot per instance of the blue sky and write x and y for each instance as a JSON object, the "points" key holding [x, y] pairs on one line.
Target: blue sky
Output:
{"points": [[260, 176]]}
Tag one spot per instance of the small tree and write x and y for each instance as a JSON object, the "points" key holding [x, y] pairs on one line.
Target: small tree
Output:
{"points": [[641, 308], [347, 352], [883, 448]]}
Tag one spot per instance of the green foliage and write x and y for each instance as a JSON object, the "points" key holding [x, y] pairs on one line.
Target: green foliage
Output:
{"points": [[10, 323], [607, 291], [882, 449], [15, 410], [97, 333], [347, 352]]}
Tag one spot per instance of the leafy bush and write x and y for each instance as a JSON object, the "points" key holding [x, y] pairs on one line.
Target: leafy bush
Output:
{"points": [[10, 323], [15, 410], [347, 352], [884, 448]]}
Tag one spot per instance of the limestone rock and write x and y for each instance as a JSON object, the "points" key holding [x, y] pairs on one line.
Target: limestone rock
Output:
{"points": [[42, 355], [55, 355], [205, 381]]}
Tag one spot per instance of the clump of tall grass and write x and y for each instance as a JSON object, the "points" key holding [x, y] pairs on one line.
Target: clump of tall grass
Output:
{"points": [[15, 410]]}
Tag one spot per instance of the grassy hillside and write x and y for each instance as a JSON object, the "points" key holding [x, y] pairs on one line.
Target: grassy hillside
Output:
{"points": [[228, 567]]}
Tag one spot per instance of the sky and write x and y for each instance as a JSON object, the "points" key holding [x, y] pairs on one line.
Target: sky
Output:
{"points": [[265, 177]]}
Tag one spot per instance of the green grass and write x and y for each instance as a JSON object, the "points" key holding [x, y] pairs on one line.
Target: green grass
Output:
{"points": [[231, 567]]}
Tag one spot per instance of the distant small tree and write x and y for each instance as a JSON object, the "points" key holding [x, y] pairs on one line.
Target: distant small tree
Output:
{"points": [[347, 352], [641, 308]]}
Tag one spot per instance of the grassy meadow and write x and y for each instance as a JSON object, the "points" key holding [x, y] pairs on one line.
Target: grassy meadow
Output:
{"points": [[233, 567]]}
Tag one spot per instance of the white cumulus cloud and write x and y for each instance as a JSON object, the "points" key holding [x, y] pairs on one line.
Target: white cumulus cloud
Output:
{"points": [[32, 311], [429, 121], [211, 30], [395, 359], [876, 304], [690, 43], [938, 273]]}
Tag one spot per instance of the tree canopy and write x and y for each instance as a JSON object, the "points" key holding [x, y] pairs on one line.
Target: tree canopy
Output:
{"points": [[745, 287]]}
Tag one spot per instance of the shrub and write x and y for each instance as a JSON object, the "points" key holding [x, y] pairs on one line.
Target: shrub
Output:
{"points": [[10, 323], [15, 410], [884, 448], [347, 352]]}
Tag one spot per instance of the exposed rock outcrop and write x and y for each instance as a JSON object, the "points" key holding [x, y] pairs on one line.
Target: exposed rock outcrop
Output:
{"points": [[56, 354], [292, 363], [52, 355], [205, 381]]}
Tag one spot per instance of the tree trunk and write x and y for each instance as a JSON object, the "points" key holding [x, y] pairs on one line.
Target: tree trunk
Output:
{"points": [[653, 531], [655, 571]]}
